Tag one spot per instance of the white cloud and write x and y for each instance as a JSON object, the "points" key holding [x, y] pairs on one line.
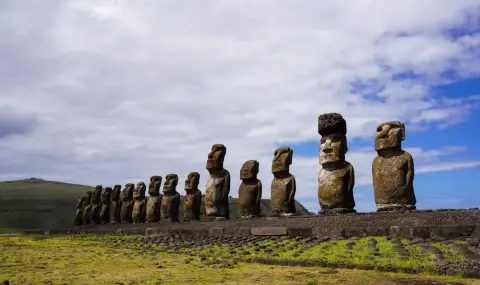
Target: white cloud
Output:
{"points": [[122, 90]]}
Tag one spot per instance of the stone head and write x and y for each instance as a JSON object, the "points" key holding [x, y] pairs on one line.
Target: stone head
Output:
{"points": [[154, 186], [116, 192], [106, 195], [282, 159], [333, 148], [191, 183], [97, 193], [170, 185], [216, 157], [139, 191], [249, 170], [79, 202], [127, 192], [87, 199], [389, 135]]}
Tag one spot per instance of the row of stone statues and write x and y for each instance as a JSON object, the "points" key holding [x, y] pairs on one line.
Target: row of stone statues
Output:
{"points": [[392, 172]]}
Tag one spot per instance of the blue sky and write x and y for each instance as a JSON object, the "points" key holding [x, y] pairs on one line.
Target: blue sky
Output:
{"points": [[114, 92]]}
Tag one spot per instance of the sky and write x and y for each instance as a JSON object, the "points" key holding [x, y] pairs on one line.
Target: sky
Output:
{"points": [[112, 92]]}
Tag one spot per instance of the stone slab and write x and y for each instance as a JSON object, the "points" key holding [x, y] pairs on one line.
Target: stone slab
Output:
{"points": [[269, 231], [216, 232]]}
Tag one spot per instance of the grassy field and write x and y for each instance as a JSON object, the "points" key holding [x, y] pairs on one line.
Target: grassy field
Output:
{"points": [[155, 260], [39, 204]]}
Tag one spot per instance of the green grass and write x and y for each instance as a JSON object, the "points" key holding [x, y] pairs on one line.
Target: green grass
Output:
{"points": [[89, 259], [39, 204]]}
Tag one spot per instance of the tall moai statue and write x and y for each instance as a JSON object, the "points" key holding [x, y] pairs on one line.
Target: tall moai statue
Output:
{"points": [[115, 204], [193, 197], [250, 190], [218, 184], [170, 204], [139, 213], [96, 205], [284, 187], [127, 204], [392, 170], [79, 212], [106, 203], [153, 201], [87, 201], [336, 178]]}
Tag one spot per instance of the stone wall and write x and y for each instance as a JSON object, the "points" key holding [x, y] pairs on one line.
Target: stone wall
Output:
{"points": [[410, 224]]}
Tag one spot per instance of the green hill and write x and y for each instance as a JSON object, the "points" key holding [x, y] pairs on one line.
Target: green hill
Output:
{"points": [[39, 204]]}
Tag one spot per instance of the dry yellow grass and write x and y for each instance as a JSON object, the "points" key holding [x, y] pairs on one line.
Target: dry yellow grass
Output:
{"points": [[65, 260]]}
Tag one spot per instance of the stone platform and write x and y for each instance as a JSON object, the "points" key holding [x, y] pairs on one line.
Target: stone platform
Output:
{"points": [[444, 223]]}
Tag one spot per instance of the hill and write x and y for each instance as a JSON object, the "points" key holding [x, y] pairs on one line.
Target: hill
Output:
{"points": [[40, 204]]}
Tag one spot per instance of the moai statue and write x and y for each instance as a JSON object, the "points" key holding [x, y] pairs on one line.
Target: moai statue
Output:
{"points": [[115, 204], [153, 201], [336, 178], [284, 187], [139, 213], [96, 205], [127, 204], [79, 213], [250, 190], [106, 203], [392, 170], [218, 184], [170, 204], [87, 200], [193, 197]]}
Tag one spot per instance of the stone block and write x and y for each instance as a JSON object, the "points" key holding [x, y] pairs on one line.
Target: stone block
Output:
{"points": [[400, 232], [476, 232], [353, 232], [374, 232], [326, 232], [269, 231], [230, 232], [452, 231], [243, 232], [216, 232], [150, 231], [299, 232], [421, 232]]}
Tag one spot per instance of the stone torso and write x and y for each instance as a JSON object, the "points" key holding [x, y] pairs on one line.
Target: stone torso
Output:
{"points": [[281, 193], [138, 213], [191, 205], [86, 214], [170, 206], [126, 211], [105, 212], [153, 209], [335, 188], [115, 207], [248, 202], [216, 194], [390, 180]]}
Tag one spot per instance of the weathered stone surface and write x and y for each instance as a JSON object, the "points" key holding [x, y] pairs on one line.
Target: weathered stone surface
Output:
{"points": [[115, 205], [400, 232], [153, 201], [218, 184], [299, 232], [106, 204], [284, 187], [216, 232], [127, 204], [193, 197], [451, 231], [476, 231], [139, 213], [392, 169], [79, 212], [327, 231], [269, 231], [421, 232], [380, 231], [250, 190], [96, 205], [336, 178], [170, 204], [353, 232], [87, 200]]}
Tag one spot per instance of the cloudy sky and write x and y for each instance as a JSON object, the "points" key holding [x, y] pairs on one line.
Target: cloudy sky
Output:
{"points": [[108, 92]]}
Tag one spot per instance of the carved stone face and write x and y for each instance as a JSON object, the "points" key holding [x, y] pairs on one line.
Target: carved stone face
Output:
{"points": [[191, 183], [87, 198], [97, 194], [139, 191], [106, 194], [389, 135], [79, 202], [154, 186], [333, 148], [116, 192], [170, 185], [216, 157], [282, 159], [249, 169], [127, 192]]}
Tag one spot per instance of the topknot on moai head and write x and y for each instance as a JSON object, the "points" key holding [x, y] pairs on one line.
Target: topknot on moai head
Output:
{"points": [[282, 159], [389, 135], [154, 186], [331, 123], [249, 169], [216, 156], [192, 181], [170, 185]]}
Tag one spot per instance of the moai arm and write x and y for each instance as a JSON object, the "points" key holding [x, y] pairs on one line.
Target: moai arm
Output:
{"points": [[259, 193], [410, 171], [294, 189], [351, 180], [226, 187]]}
